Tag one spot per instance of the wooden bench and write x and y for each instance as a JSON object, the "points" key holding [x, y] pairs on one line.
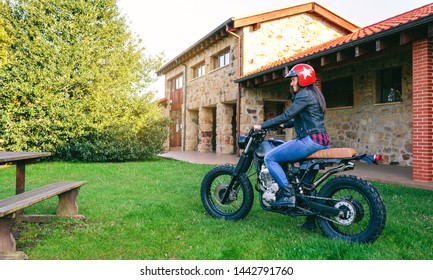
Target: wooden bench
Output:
{"points": [[67, 191]]}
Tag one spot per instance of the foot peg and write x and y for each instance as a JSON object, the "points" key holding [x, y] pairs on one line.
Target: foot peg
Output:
{"points": [[284, 201], [287, 198]]}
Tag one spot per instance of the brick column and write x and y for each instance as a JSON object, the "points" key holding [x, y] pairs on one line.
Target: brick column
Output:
{"points": [[422, 116]]}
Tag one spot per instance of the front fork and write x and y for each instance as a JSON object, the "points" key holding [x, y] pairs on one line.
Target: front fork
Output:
{"points": [[242, 167]]}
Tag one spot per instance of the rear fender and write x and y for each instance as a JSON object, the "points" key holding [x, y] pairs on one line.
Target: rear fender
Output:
{"points": [[370, 159]]}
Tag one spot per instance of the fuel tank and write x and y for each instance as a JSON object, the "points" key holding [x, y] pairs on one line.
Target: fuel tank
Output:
{"points": [[268, 145]]}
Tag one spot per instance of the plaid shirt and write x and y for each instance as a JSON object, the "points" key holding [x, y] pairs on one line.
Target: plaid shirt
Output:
{"points": [[321, 138]]}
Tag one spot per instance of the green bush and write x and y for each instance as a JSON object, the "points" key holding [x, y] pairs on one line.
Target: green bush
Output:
{"points": [[116, 144]]}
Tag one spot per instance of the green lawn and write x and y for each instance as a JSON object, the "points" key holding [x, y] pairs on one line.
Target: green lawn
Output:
{"points": [[152, 210]]}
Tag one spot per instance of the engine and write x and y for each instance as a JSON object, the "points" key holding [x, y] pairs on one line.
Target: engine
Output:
{"points": [[268, 186]]}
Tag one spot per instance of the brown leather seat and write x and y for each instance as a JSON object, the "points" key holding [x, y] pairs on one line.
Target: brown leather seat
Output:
{"points": [[334, 153]]}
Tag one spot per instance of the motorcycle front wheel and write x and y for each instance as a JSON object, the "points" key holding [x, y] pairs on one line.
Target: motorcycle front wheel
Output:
{"points": [[364, 210], [214, 186]]}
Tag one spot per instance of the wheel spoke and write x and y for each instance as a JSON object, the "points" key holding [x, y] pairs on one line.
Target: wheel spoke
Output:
{"points": [[218, 189]]}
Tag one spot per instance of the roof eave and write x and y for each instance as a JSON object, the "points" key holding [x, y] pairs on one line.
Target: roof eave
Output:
{"points": [[179, 58], [311, 7]]}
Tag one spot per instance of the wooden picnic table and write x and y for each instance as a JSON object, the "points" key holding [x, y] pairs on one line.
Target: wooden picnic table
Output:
{"points": [[11, 208], [20, 159]]}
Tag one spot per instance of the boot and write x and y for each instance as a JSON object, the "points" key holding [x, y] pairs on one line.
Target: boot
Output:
{"points": [[287, 198]]}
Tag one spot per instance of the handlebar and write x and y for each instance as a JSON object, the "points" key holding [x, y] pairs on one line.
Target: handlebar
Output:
{"points": [[254, 133]]}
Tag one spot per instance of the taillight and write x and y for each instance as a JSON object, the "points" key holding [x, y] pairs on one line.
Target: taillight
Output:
{"points": [[378, 157]]}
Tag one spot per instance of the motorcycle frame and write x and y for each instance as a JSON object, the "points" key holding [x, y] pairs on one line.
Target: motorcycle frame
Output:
{"points": [[303, 184]]}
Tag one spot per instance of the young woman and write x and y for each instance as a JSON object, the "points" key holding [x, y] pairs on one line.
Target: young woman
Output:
{"points": [[307, 116]]}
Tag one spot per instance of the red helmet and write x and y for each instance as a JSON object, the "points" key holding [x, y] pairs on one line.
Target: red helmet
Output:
{"points": [[305, 73]]}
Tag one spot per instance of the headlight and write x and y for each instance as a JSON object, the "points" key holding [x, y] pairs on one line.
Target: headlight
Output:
{"points": [[242, 142]]}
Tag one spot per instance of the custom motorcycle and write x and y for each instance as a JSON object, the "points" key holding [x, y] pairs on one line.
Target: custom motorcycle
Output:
{"points": [[345, 207]]}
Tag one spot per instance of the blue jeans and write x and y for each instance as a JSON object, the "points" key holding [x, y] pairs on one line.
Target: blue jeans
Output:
{"points": [[291, 151]]}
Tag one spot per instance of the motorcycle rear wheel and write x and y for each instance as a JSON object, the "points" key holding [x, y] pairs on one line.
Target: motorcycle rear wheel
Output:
{"points": [[366, 213], [213, 188]]}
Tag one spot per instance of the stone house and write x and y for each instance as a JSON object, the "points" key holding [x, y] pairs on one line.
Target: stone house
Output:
{"points": [[200, 92], [377, 82]]}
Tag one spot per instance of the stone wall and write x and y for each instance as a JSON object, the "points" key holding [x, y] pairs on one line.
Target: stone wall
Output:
{"points": [[366, 126], [208, 93], [284, 37], [191, 129], [217, 85], [226, 138], [369, 127], [205, 129], [166, 112], [252, 104]]}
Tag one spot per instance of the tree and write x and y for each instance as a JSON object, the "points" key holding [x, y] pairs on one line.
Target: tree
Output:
{"points": [[4, 39], [75, 76]]}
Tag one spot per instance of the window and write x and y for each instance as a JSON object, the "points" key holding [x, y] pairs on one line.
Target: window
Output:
{"points": [[389, 85], [179, 82], [338, 93], [222, 59], [176, 83], [199, 70]]}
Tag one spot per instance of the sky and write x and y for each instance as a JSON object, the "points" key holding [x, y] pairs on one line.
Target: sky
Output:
{"points": [[172, 26]]}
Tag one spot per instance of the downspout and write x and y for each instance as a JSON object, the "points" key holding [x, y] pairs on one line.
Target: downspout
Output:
{"points": [[184, 109], [238, 99]]}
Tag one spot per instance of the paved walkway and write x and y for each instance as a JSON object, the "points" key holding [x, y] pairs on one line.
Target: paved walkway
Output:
{"points": [[382, 173]]}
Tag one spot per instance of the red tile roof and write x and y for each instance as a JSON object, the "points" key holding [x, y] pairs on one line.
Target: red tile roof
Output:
{"points": [[361, 33]]}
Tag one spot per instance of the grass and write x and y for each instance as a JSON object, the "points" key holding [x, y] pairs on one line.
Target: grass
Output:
{"points": [[152, 211]]}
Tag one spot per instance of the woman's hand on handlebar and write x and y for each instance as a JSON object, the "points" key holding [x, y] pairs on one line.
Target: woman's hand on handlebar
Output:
{"points": [[257, 127]]}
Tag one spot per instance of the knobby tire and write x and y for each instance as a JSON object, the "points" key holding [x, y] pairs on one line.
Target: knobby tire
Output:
{"points": [[369, 221], [212, 190]]}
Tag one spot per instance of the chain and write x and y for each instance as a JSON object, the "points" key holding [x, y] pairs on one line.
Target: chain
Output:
{"points": [[306, 211], [320, 198]]}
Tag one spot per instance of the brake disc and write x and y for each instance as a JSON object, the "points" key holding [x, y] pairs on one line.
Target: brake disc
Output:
{"points": [[350, 212]]}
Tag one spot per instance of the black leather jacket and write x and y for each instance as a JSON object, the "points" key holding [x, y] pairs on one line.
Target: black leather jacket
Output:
{"points": [[305, 114]]}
